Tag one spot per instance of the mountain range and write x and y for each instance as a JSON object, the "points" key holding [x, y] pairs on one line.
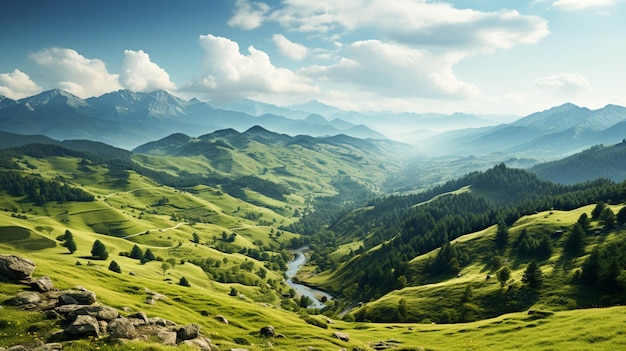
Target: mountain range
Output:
{"points": [[128, 119]]}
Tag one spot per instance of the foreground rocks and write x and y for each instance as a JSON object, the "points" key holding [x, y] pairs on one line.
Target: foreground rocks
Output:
{"points": [[81, 316]]}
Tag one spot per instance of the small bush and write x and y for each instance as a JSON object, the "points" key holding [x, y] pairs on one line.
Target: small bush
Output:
{"points": [[316, 322]]}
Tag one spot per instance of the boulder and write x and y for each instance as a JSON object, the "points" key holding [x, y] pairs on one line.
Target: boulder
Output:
{"points": [[267, 332], [75, 296], [43, 284], [200, 342], [188, 332], [167, 338], [84, 325], [341, 336], [101, 313], [161, 322], [122, 328], [140, 316], [27, 299], [15, 268]]}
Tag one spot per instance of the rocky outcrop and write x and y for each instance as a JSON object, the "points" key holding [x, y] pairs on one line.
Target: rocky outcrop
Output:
{"points": [[341, 336], [14, 268], [81, 316], [267, 332]]}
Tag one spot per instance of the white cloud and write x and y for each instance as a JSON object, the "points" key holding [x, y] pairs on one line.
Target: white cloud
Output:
{"points": [[17, 85], [69, 70], [413, 22], [231, 74], [139, 73], [577, 5], [395, 70], [564, 82], [290, 49], [249, 15]]}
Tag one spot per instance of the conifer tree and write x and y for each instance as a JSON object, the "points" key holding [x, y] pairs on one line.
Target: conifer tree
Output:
{"points": [[69, 241], [136, 252], [184, 282], [115, 267], [532, 275], [99, 250], [148, 256]]}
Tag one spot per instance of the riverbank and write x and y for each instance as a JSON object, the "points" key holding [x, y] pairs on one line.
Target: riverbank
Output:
{"points": [[294, 265]]}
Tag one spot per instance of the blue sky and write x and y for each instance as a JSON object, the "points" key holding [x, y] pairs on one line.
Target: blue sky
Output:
{"points": [[481, 56]]}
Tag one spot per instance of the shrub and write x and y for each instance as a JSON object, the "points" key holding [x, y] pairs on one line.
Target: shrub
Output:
{"points": [[184, 282], [115, 267]]}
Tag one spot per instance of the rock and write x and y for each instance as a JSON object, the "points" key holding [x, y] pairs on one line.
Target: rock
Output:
{"points": [[52, 314], [221, 319], [101, 313], [150, 300], [141, 316], [341, 336], [167, 338], [122, 328], [267, 332], [17, 348], [15, 268], [84, 325], [51, 347], [200, 342], [82, 297], [67, 300], [27, 299], [188, 332], [381, 345], [43, 284], [161, 322]]}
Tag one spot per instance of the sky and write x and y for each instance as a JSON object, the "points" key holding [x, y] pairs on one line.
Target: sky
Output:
{"points": [[480, 56]]}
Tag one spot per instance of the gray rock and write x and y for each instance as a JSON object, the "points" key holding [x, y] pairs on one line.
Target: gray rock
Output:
{"points": [[167, 338], [267, 332], [122, 328], [161, 322], [27, 298], [221, 319], [67, 300], [15, 268], [17, 348], [43, 284], [188, 332], [200, 342], [341, 336], [101, 313], [141, 316], [84, 325], [82, 297], [50, 347]]}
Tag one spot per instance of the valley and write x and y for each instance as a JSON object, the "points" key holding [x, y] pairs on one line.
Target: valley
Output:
{"points": [[418, 253]]}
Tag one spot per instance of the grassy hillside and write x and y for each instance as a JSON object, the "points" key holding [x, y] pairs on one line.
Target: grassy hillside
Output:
{"points": [[232, 236]]}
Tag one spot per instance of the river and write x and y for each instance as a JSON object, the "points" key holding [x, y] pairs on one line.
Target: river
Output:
{"points": [[293, 267]]}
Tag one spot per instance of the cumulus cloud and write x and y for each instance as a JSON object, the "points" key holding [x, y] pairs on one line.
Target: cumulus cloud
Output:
{"points": [[248, 15], [577, 5], [231, 74], [81, 76], [290, 49], [415, 22], [564, 82], [395, 70], [17, 85], [139, 73]]}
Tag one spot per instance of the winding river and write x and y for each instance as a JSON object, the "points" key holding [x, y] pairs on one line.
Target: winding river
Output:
{"points": [[293, 267]]}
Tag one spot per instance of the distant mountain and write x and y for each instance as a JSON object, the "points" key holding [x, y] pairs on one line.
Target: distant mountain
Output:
{"points": [[593, 163], [222, 140], [552, 133], [126, 119]]}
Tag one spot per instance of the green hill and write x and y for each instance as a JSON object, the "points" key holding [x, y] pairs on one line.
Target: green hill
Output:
{"points": [[226, 221]]}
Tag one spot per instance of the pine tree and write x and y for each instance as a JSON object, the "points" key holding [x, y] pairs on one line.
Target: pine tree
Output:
{"points": [[502, 236], [532, 275], [69, 241], [115, 267], [195, 238], [148, 256], [575, 241], [99, 251], [136, 252], [184, 282]]}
